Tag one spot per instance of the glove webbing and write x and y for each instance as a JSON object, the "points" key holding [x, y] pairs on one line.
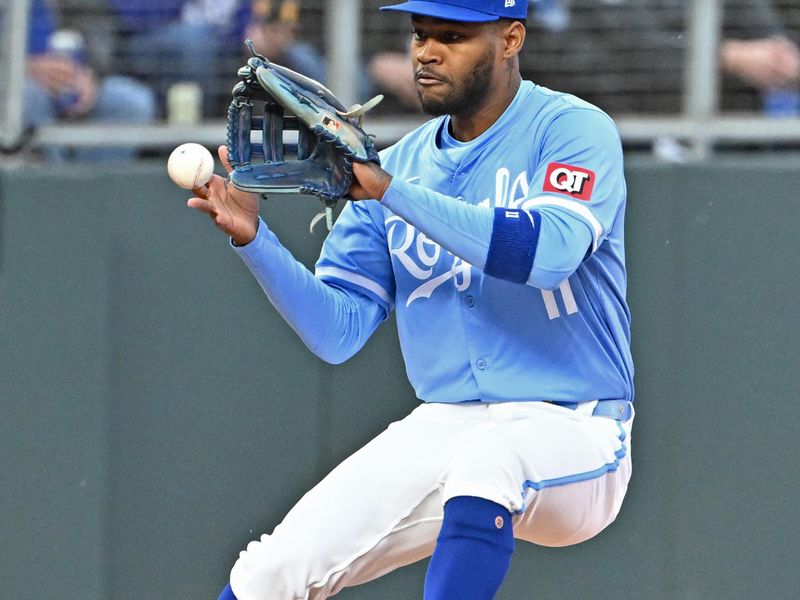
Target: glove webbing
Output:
{"points": [[272, 125]]}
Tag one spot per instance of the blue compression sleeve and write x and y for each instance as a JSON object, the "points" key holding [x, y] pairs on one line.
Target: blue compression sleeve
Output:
{"points": [[333, 322], [473, 551], [515, 237], [470, 231], [227, 593]]}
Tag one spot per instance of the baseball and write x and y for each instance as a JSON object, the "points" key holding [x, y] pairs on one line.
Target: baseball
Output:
{"points": [[190, 165]]}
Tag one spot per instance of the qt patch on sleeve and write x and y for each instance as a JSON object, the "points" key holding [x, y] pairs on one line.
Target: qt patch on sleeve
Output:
{"points": [[575, 182], [515, 235]]}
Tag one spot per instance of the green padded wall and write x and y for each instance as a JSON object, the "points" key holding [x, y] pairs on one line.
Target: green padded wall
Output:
{"points": [[156, 413]]}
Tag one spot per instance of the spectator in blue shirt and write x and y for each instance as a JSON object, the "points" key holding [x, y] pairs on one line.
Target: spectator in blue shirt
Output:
{"points": [[61, 87]]}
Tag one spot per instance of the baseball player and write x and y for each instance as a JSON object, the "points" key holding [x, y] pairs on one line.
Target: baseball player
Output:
{"points": [[495, 231]]}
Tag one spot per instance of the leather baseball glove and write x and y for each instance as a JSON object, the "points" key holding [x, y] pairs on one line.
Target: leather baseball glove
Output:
{"points": [[273, 100]]}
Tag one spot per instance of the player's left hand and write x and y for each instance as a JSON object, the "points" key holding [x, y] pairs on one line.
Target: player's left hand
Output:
{"points": [[370, 182]]}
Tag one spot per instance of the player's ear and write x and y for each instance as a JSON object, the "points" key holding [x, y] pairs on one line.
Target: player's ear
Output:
{"points": [[514, 38]]}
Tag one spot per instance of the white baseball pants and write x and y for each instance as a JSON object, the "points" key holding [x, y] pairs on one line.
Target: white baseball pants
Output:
{"points": [[562, 473]]}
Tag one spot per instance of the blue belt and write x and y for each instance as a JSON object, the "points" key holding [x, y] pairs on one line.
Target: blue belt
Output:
{"points": [[620, 410]]}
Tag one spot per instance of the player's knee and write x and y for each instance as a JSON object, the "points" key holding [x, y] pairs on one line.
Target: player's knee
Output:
{"points": [[264, 570], [487, 470]]}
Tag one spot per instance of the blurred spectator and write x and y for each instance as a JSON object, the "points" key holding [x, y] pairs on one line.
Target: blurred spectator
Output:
{"points": [[637, 46], [393, 74], [274, 27], [390, 67], [757, 49], [770, 65], [62, 87], [168, 42], [627, 56], [763, 63]]}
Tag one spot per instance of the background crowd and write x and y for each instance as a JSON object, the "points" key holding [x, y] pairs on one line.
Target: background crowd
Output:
{"points": [[143, 61]]}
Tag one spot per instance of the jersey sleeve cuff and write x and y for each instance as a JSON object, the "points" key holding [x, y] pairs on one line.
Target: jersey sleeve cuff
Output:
{"points": [[396, 193], [251, 253]]}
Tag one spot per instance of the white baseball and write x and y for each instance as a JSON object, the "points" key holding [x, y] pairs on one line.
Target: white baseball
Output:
{"points": [[190, 165]]}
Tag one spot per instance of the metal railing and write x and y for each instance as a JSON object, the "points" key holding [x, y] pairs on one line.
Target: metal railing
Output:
{"points": [[14, 36]]}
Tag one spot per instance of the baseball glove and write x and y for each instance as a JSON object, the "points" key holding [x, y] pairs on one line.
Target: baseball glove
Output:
{"points": [[329, 136]]}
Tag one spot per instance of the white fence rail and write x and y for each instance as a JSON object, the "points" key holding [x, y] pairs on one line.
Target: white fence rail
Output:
{"points": [[13, 43]]}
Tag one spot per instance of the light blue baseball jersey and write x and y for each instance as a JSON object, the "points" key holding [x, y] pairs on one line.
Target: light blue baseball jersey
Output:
{"points": [[565, 335]]}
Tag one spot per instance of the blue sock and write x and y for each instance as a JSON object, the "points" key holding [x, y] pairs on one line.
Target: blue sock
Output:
{"points": [[227, 593], [473, 551]]}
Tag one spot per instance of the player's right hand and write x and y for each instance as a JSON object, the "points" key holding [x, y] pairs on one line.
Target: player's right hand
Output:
{"points": [[370, 182], [233, 211]]}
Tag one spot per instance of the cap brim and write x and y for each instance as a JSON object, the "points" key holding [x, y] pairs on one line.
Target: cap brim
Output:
{"points": [[438, 10]]}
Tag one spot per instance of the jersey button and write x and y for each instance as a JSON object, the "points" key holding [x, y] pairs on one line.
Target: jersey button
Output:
{"points": [[470, 300], [481, 364]]}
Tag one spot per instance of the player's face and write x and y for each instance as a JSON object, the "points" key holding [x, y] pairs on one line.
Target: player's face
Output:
{"points": [[455, 65]]}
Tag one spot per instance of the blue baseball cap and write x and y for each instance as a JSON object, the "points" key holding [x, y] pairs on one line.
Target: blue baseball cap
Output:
{"points": [[471, 11]]}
